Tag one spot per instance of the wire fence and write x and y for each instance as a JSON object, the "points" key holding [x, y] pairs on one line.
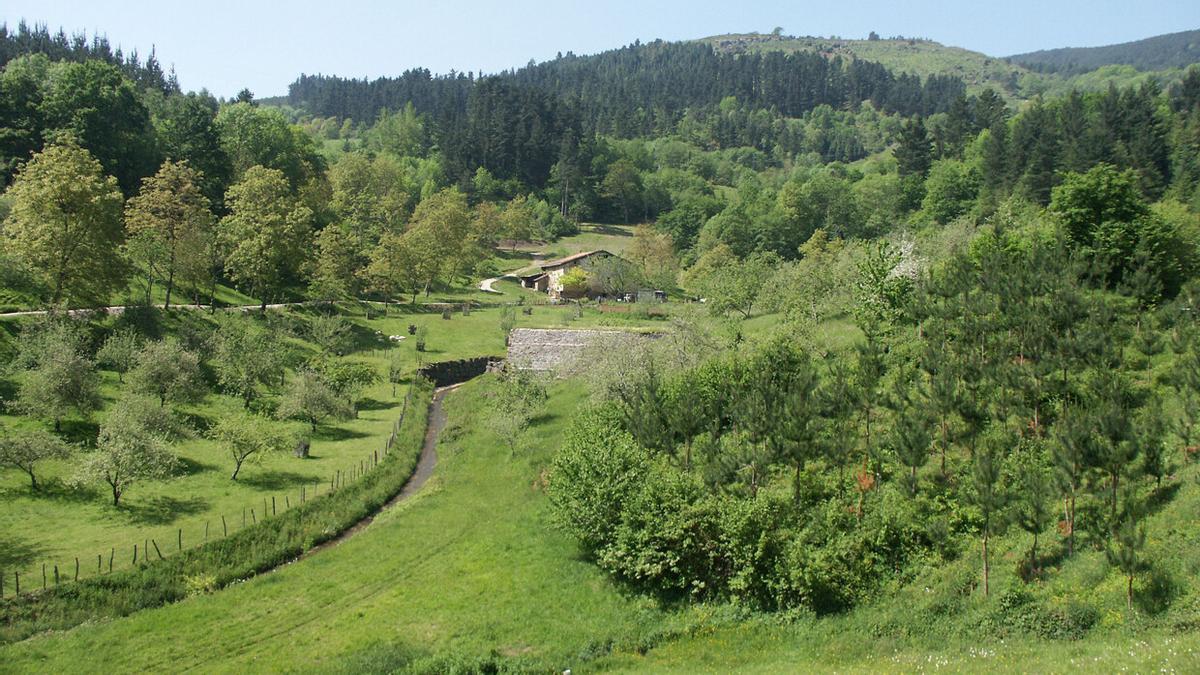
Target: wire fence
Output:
{"points": [[149, 549]]}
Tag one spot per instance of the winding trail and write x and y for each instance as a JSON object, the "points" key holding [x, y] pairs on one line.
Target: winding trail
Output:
{"points": [[421, 474], [486, 284]]}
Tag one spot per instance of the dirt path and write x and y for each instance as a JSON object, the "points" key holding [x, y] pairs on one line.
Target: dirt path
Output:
{"points": [[486, 284], [420, 475]]}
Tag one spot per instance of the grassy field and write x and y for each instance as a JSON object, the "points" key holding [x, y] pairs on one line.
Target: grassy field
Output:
{"points": [[919, 57], [470, 565], [62, 522], [472, 574]]}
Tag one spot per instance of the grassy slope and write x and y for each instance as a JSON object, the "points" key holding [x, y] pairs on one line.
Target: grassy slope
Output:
{"points": [[60, 523], [919, 57], [473, 566], [470, 564]]}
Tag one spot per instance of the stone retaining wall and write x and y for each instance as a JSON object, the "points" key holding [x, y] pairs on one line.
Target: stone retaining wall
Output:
{"points": [[561, 350], [446, 373]]}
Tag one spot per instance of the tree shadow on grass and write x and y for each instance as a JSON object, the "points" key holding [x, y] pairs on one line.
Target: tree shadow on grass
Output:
{"points": [[190, 467], [374, 404], [80, 432], [201, 423], [336, 434], [8, 392], [275, 480], [612, 230], [16, 552], [63, 491], [363, 339], [162, 510]]}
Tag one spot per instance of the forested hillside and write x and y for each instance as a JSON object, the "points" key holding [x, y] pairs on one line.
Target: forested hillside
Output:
{"points": [[1176, 50]]}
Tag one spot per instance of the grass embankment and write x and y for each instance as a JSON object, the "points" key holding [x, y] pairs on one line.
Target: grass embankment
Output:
{"points": [[469, 566], [250, 550]]}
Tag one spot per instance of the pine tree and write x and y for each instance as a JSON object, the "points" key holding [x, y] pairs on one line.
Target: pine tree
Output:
{"points": [[914, 150]]}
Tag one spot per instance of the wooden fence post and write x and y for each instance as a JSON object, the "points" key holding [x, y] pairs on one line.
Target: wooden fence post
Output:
{"points": [[76, 568], [99, 564], [224, 527], [179, 539], [206, 530], [43, 576], [160, 555], [17, 575], [272, 504], [56, 576], [252, 516], [111, 554], [287, 504], [135, 554]]}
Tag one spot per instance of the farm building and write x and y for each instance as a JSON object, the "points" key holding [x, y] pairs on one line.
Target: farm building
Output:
{"points": [[548, 277]]}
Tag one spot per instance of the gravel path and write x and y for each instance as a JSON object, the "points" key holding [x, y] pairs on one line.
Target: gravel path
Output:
{"points": [[420, 475]]}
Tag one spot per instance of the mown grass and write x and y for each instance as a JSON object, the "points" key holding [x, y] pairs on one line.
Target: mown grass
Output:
{"points": [[471, 574], [470, 565], [62, 521], [215, 565]]}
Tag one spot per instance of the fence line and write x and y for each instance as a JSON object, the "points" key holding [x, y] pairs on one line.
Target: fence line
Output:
{"points": [[141, 554]]}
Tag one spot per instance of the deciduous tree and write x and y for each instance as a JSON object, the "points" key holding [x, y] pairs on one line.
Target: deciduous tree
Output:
{"points": [[23, 449], [167, 222], [65, 223], [266, 232]]}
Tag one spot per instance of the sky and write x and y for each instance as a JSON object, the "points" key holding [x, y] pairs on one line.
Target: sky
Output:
{"points": [[224, 45]]}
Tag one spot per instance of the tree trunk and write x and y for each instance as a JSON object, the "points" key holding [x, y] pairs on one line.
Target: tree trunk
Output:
{"points": [[1129, 593], [1112, 510], [116, 493], [32, 478], [237, 467], [986, 568], [170, 285], [1071, 524]]}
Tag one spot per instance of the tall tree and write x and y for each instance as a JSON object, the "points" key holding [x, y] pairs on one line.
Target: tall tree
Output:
{"points": [[96, 104], [914, 150], [168, 222], [266, 232], [65, 223]]}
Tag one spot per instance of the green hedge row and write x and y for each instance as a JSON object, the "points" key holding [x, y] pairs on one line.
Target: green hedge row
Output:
{"points": [[256, 549]]}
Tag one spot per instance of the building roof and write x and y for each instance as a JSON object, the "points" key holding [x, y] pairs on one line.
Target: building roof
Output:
{"points": [[572, 258]]}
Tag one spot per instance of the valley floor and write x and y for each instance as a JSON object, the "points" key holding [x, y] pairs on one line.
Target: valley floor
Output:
{"points": [[470, 571]]}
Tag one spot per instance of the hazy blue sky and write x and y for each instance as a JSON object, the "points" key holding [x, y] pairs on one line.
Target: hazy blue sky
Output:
{"points": [[225, 45]]}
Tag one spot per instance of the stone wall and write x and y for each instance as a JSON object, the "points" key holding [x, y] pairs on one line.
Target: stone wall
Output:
{"points": [[561, 350], [446, 373]]}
